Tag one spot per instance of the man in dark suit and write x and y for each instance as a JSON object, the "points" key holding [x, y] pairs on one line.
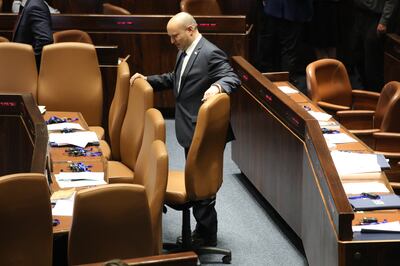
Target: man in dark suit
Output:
{"points": [[34, 26], [201, 70]]}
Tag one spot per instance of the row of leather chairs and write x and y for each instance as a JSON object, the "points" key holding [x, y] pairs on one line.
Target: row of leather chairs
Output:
{"points": [[371, 116]]}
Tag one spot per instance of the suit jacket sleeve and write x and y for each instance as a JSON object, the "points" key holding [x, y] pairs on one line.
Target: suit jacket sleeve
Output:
{"points": [[162, 82], [221, 72], [40, 20]]}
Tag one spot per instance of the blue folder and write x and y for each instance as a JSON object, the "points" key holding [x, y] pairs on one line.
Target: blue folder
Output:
{"points": [[389, 201]]}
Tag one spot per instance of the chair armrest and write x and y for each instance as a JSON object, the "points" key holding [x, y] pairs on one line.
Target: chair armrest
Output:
{"points": [[356, 119], [332, 107], [387, 143], [365, 100]]}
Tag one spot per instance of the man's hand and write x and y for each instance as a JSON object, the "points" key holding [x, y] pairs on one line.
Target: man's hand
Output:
{"points": [[210, 92], [135, 76], [381, 29]]}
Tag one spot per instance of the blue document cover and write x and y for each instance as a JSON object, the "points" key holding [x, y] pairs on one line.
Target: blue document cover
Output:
{"points": [[389, 201]]}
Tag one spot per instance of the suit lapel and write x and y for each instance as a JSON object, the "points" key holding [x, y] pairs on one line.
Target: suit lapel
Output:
{"points": [[190, 63], [19, 18]]}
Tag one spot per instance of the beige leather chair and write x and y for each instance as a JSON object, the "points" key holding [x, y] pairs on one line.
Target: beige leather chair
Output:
{"points": [[70, 80], [120, 220], [201, 7], [329, 86], [140, 100], [3, 39], [18, 69], [72, 36], [26, 230], [110, 9], [117, 112], [204, 167]]}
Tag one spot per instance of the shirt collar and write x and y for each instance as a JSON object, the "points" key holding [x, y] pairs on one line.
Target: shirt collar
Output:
{"points": [[23, 2], [190, 49]]}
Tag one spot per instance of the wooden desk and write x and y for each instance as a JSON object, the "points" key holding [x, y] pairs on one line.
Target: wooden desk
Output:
{"points": [[281, 150], [392, 58], [60, 160]]}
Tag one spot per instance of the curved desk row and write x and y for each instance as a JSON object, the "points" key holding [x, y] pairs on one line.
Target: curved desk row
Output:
{"points": [[280, 148]]}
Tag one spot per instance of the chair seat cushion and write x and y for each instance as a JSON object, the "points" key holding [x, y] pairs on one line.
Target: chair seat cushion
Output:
{"points": [[176, 190], [98, 130], [117, 172], [105, 149]]}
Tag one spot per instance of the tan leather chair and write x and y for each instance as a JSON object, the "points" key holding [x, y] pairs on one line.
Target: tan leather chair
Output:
{"points": [[117, 112], [329, 86], [140, 100], [18, 69], [26, 230], [110, 9], [201, 7], [73, 85], [204, 167], [72, 36], [120, 220], [3, 39], [368, 125]]}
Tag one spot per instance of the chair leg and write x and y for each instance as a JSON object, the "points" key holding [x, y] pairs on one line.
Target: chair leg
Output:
{"points": [[186, 231]]}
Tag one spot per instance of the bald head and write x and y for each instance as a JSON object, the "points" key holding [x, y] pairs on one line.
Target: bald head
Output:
{"points": [[182, 30]]}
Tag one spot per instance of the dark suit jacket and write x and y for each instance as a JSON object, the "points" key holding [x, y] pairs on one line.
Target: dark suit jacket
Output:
{"points": [[34, 26], [207, 65], [292, 10]]}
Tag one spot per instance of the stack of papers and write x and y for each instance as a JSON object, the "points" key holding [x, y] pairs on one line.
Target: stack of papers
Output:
{"points": [[61, 126], [80, 139], [320, 116], [333, 125], [79, 179], [63, 207], [355, 163], [287, 89], [338, 138], [356, 188], [390, 227]]}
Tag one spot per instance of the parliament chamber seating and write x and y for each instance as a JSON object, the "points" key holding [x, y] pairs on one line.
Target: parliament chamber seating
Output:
{"points": [[131, 136], [329, 86], [117, 113], [110, 9], [75, 85], [26, 223], [203, 173], [72, 36], [18, 69], [201, 7]]}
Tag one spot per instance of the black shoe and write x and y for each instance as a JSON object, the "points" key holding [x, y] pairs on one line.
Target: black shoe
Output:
{"points": [[199, 240]]}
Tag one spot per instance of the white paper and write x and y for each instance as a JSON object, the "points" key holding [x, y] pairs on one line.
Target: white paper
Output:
{"points": [[288, 90], [355, 163], [356, 188], [332, 125], [79, 179], [42, 109], [60, 126], [320, 116], [337, 138], [80, 139], [64, 207], [387, 227]]}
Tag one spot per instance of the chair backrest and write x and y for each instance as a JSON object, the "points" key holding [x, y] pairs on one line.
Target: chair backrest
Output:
{"points": [[118, 109], [155, 182], [140, 99], [72, 36], [154, 129], [328, 81], [110, 9], [73, 85], [388, 108], [26, 230], [4, 39], [18, 68], [111, 221], [204, 165], [201, 7]]}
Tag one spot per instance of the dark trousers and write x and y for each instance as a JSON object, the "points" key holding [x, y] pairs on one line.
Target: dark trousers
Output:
{"points": [[367, 50], [280, 43], [205, 214]]}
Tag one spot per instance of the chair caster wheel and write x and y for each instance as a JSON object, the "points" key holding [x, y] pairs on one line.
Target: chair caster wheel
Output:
{"points": [[227, 259]]}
